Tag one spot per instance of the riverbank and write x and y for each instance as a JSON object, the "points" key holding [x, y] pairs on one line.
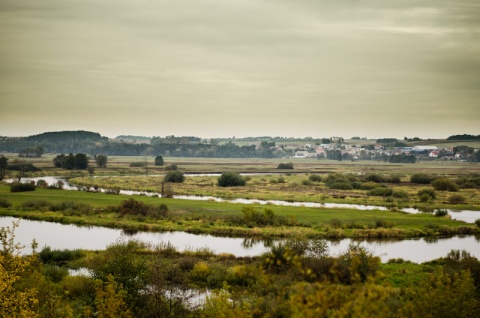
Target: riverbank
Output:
{"points": [[225, 219]]}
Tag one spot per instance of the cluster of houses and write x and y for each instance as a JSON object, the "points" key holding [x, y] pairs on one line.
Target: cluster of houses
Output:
{"points": [[378, 151]]}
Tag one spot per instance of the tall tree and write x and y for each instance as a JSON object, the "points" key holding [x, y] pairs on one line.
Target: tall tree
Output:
{"points": [[101, 161], [3, 167]]}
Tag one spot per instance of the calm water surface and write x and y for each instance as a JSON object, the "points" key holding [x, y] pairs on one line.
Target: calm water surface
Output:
{"points": [[59, 236]]}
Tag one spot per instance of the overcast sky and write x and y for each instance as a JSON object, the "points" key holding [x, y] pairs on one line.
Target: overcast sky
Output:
{"points": [[220, 68]]}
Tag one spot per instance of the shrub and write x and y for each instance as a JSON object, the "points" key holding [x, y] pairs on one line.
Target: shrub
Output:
{"points": [[440, 212], [420, 178], [280, 180], [137, 164], [425, 198], [285, 166], [476, 181], [373, 177], [341, 186], [231, 179], [22, 187], [357, 185], [369, 185], [59, 257], [336, 223], [427, 192], [477, 222], [174, 176], [393, 179], [42, 184], [4, 203], [445, 184], [399, 194], [380, 192], [457, 199], [35, 205], [315, 178], [336, 177], [384, 224], [171, 167], [159, 161], [306, 182]]}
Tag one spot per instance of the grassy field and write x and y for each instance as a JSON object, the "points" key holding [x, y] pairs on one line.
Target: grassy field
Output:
{"points": [[212, 217]]}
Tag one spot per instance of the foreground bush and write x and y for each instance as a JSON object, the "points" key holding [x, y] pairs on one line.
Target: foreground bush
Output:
{"points": [[174, 176], [315, 178], [22, 187], [380, 192], [4, 203], [420, 178], [285, 166], [457, 199], [444, 184], [231, 179], [429, 192]]}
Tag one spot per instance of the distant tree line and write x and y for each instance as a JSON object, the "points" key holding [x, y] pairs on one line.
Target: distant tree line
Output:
{"points": [[464, 137], [31, 152]]}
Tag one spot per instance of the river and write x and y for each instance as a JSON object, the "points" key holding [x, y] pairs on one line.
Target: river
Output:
{"points": [[60, 236]]}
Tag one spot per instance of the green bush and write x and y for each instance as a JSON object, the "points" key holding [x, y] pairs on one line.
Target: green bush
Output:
{"points": [[425, 198], [306, 182], [59, 257], [42, 184], [341, 186], [373, 177], [280, 180], [171, 167], [420, 178], [380, 192], [174, 176], [231, 179], [444, 184], [370, 185], [336, 177], [285, 166], [22, 187], [457, 199], [393, 179], [4, 203], [356, 185], [427, 192], [159, 161], [399, 194], [384, 224], [336, 223], [137, 164], [477, 222], [315, 178], [441, 212]]}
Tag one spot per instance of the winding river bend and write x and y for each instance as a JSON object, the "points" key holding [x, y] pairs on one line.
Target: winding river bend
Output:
{"points": [[463, 215], [59, 236]]}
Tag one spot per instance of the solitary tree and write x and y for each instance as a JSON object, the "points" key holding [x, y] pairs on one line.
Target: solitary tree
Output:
{"points": [[159, 161], [3, 167], [231, 179], [101, 161], [174, 176]]}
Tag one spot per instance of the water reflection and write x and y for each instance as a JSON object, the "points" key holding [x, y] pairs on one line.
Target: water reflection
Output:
{"points": [[60, 236], [250, 242]]}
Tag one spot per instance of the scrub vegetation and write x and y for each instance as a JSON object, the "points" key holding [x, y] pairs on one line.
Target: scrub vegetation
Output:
{"points": [[295, 278]]}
